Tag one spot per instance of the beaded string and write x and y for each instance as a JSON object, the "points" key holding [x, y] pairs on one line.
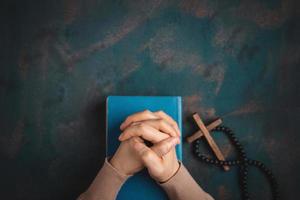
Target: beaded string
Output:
{"points": [[242, 162]]}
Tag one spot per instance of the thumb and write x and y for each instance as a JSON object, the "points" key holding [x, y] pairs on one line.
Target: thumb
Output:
{"points": [[148, 157], [165, 146]]}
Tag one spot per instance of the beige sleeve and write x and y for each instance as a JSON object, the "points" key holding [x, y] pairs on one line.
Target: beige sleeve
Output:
{"points": [[182, 186], [106, 185]]}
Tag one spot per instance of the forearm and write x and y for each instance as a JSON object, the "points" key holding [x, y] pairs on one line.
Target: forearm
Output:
{"points": [[106, 185], [182, 186]]}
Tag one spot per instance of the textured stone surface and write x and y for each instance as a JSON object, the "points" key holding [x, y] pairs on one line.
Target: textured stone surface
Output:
{"points": [[238, 60]]}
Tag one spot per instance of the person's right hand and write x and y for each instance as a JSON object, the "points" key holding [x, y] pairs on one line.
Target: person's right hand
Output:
{"points": [[160, 159]]}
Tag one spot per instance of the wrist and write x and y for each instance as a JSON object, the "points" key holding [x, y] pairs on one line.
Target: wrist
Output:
{"points": [[171, 173], [118, 166]]}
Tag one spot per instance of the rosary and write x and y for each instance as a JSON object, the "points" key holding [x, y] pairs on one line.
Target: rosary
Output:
{"points": [[243, 162]]}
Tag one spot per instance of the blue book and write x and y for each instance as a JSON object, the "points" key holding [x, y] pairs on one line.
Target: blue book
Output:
{"points": [[140, 186]]}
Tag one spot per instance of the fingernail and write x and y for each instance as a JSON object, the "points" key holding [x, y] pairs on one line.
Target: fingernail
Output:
{"points": [[175, 141], [120, 137], [178, 130]]}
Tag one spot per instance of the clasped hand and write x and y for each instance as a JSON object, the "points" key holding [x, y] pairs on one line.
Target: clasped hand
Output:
{"points": [[133, 154]]}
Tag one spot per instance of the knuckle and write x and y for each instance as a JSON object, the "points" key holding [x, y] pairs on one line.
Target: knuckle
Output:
{"points": [[173, 123], [142, 126], [138, 139], [133, 142], [160, 112], [128, 118], [147, 154], [146, 111], [135, 123], [168, 146], [164, 148], [135, 139], [161, 122]]}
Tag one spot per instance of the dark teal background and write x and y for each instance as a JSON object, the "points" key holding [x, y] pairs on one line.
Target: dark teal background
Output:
{"points": [[238, 60]]}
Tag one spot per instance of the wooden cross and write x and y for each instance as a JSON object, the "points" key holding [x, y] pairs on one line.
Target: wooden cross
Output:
{"points": [[204, 131]]}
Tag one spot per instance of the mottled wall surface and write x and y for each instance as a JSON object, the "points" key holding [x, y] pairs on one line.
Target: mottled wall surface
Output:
{"points": [[59, 60]]}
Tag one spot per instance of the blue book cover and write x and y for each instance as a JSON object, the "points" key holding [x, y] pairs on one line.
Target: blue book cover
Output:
{"points": [[140, 186]]}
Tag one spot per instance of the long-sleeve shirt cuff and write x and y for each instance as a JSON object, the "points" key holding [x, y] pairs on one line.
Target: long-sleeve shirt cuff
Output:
{"points": [[182, 186], [106, 185]]}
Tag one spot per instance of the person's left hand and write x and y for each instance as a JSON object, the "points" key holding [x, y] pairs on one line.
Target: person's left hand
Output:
{"points": [[127, 160], [156, 127]]}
